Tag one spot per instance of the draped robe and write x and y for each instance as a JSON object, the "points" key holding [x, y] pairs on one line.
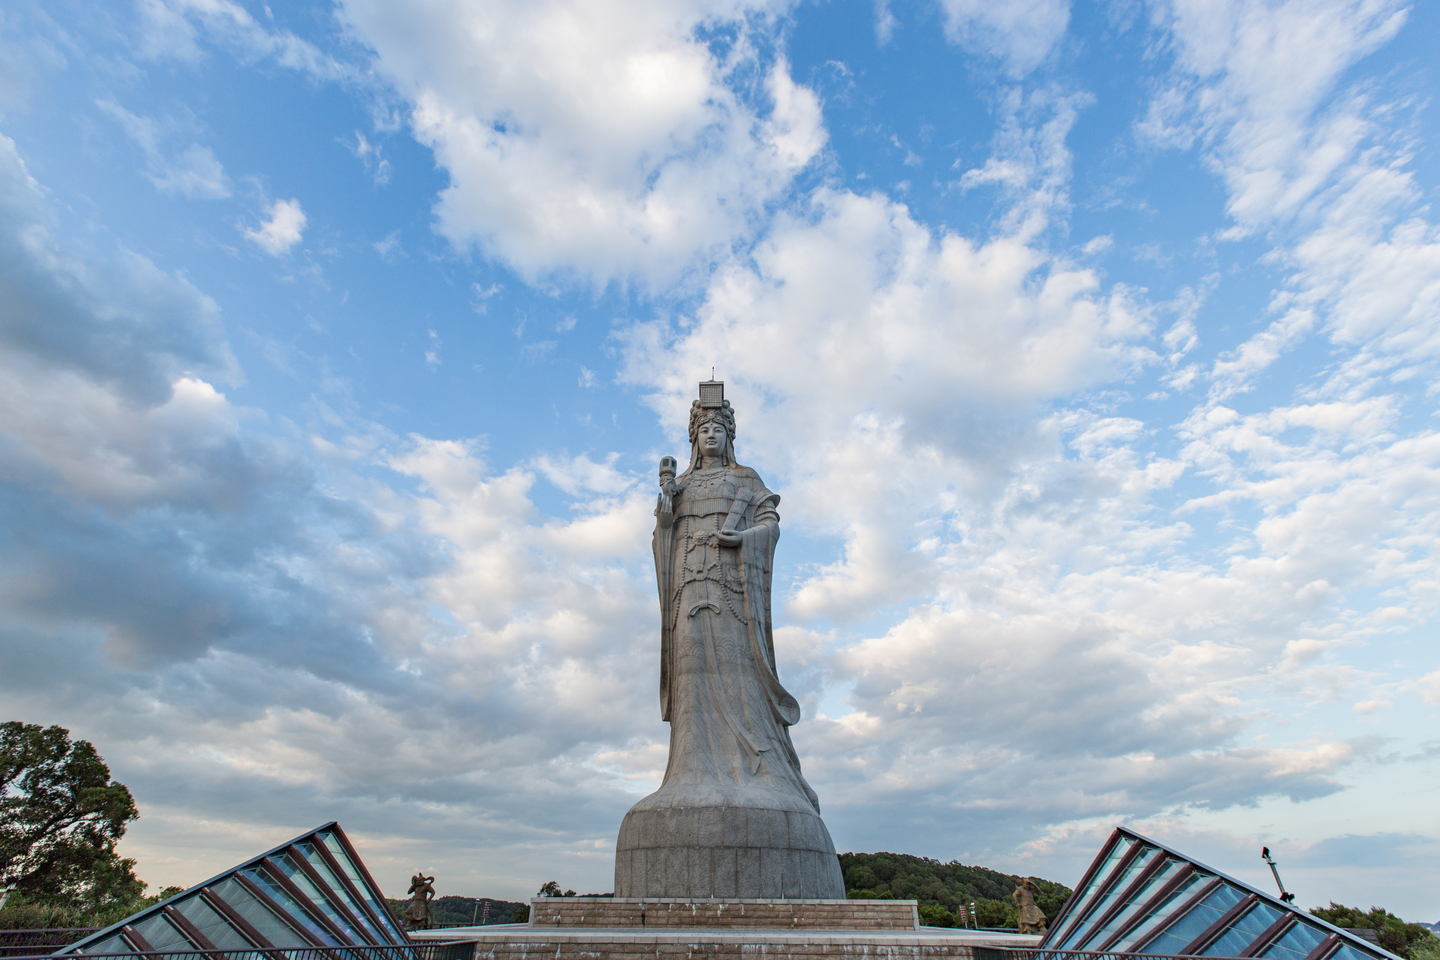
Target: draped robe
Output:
{"points": [[733, 817], [729, 714]]}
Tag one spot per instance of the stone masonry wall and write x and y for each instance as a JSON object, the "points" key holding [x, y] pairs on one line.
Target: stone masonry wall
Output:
{"points": [[722, 914], [733, 950]]}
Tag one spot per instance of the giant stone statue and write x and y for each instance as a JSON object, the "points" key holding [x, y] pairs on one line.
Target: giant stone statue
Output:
{"points": [[734, 817]]}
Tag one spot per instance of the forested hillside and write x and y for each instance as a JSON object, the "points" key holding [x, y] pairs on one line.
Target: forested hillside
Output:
{"points": [[464, 909], [941, 887]]}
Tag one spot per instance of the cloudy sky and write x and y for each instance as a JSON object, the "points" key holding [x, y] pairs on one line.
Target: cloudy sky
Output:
{"points": [[1092, 345]]}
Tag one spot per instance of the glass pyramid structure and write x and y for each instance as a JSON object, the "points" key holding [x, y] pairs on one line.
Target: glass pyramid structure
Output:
{"points": [[1141, 897], [311, 892]]}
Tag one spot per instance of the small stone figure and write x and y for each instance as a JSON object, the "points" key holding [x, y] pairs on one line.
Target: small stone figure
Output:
{"points": [[417, 912], [1032, 920]]}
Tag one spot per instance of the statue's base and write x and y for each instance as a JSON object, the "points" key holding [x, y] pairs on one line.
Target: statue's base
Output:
{"points": [[518, 941], [711, 850]]}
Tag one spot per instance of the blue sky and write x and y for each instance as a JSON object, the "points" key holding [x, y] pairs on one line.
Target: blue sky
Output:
{"points": [[1092, 347]]}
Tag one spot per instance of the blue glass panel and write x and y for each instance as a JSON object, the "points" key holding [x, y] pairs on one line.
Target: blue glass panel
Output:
{"points": [[108, 945], [1137, 899], [292, 909], [318, 864], [1101, 904], [296, 876], [1086, 896], [1348, 951], [259, 916], [337, 850], [1163, 910], [161, 934], [1243, 931], [211, 925], [1194, 923], [1297, 943]]}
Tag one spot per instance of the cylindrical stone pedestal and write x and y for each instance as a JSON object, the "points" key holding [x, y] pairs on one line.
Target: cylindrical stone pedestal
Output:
{"points": [[725, 851]]}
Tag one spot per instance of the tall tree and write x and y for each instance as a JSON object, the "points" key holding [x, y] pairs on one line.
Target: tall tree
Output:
{"points": [[60, 818]]}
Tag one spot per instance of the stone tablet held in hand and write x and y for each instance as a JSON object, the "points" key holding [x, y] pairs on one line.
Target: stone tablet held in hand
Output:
{"points": [[734, 817]]}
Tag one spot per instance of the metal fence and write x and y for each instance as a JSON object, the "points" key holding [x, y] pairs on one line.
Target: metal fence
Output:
{"points": [[24, 943], [988, 952], [454, 950]]}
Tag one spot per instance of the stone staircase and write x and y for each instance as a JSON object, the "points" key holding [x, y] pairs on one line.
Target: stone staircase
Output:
{"points": [[604, 928]]}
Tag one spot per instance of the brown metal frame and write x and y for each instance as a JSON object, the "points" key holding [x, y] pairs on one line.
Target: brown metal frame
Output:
{"points": [[333, 904], [259, 893], [132, 936], [191, 932], [379, 896], [1270, 934], [1218, 928], [232, 916], [1326, 948], [1061, 917], [1181, 912], [1116, 873], [1150, 906], [276, 874], [360, 898], [1063, 913], [1141, 878], [313, 875]]}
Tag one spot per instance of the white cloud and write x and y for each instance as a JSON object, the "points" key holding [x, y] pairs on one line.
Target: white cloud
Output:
{"points": [[1253, 75], [193, 173], [371, 155], [1031, 162], [214, 586], [603, 141], [1029, 610], [1429, 687], [171, 30], [1317, 166], [120, 321], [432, 356], [1020, 35], [282, 231], [390, 249]]}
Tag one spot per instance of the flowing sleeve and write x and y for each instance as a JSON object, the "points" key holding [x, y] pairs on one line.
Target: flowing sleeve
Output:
{"points": [[757, 553]]}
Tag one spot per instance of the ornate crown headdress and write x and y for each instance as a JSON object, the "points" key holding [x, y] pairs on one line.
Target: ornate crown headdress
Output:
{"points": [[712, 405]]}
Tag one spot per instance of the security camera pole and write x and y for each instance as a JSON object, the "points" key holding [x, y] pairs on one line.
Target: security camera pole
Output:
{"points": [[1265, 855]]}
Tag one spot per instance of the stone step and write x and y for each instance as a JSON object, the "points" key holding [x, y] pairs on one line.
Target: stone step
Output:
{"points": [[521, 942], [660, 913]]}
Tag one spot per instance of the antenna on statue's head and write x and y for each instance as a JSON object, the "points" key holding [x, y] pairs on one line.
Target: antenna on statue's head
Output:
{"points": [[712, 373]]}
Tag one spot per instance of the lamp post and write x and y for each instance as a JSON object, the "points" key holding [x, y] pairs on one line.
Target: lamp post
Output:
{"points": [[1265, 855]]}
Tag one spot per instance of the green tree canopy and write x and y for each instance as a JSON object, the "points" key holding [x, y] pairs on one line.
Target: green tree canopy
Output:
{"points": [[940, 888], [60, 818], [1410, 940]]}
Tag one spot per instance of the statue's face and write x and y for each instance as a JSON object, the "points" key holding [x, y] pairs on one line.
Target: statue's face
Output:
{"points": [[711, 437]]}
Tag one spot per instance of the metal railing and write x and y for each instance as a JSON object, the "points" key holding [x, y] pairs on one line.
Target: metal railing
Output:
{"points": [[24, 943], [988, 952], [450, 950]]}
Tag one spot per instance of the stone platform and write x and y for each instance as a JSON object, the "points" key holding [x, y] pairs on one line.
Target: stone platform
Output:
{"points": [[666, 913], [723, 930]]}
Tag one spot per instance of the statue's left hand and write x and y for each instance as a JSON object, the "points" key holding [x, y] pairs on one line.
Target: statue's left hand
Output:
{"points": [[728, 539]]}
